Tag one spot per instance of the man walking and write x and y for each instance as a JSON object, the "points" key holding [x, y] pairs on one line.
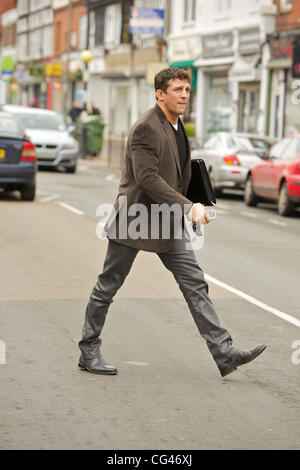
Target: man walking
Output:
{"points": [[157, 171]]}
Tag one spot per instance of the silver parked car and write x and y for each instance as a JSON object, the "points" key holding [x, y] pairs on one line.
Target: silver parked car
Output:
{"points": [[49, 132], [228, 156]]}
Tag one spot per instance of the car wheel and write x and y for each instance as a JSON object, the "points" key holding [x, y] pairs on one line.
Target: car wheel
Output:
{"points": [[71, 169], [28, 192], [217, 191], [250, 197], [285, 204]]}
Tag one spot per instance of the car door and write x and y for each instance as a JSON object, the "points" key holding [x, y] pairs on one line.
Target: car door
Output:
{"points": [[264, 180], [280, 167]]}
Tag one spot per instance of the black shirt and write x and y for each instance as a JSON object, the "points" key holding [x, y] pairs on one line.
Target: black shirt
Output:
{"points": [[181, 145]]}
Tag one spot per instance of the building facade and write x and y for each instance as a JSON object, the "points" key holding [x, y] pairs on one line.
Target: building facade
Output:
{"points": [[222, 43], [34, 49], [119, 72], [8, 42], [65, 72], [284, 112]]}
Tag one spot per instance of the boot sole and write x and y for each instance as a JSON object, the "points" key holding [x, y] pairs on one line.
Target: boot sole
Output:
{"points": [[242, 363], [87, 369]]}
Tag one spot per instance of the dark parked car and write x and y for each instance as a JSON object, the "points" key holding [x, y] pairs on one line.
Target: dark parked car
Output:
{"points": [[17, 158]]}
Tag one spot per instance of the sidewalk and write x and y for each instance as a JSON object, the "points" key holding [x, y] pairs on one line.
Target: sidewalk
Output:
{"points": [[112, 154]]}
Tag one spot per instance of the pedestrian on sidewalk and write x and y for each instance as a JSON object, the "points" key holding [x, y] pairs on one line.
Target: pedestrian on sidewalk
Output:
{"points": [[157, 171]]}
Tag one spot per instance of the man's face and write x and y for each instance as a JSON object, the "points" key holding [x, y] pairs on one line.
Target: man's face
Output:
{"points": [[176, 97]]}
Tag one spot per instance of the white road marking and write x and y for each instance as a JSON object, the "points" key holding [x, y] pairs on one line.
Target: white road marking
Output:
{"points": [[70, 208], [284, 316], [277, 222], [249, 214], [49, 198]]}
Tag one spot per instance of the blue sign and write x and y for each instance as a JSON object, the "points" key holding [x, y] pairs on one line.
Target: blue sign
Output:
{"points": [[146, 21]]}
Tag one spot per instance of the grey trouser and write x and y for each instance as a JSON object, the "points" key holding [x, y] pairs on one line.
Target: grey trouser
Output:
{"points": [[189, 276]]}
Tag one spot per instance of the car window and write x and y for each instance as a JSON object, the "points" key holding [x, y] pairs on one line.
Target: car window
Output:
{"points": [[259, 144], [242, 143], [9, 128], [211, 143], [42, 121], [291, 151], [277, 150]]}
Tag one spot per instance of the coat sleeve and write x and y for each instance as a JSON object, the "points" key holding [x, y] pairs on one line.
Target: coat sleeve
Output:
{"points": [[144, 152]]}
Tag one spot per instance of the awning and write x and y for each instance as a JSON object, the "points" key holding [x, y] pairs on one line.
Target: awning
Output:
{"points": [[185, 63]]}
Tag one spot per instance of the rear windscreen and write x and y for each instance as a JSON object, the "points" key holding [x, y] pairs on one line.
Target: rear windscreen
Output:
{"points": [[9, 128]]}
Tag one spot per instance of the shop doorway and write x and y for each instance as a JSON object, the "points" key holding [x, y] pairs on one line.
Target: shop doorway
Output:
{"points": [[248, 107]]}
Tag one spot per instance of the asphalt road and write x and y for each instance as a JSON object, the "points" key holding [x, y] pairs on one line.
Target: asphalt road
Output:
{"points": [[168, 394]]}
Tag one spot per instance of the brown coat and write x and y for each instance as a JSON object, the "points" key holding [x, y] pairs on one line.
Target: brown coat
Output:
{"points": [[151, 175]]}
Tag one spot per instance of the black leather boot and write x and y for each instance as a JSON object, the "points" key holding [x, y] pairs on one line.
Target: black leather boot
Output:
{"points": [[96, 365], [238, 358]]}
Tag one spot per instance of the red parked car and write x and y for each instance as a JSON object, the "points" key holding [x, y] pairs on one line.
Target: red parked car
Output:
{"points": [[277, 177]]}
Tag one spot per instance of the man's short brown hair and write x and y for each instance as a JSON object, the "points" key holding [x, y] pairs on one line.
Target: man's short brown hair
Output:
{"points": [[162, 78]]}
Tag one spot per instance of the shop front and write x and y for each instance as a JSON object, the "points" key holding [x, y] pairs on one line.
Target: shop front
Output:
{"points": [[246, 70], [214, 111], [284, 113]]}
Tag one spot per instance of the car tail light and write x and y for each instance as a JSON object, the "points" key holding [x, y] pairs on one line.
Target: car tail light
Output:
{"points": [[28, 152], [231, 160]]}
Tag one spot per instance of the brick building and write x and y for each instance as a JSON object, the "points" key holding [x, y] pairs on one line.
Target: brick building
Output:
{"points": [[69, 35], [8, 39]]}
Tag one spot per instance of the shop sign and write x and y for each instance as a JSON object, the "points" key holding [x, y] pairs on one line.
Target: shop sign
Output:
{"points": [[217, 45], [249, 41], [7, 66], [296, 58], [146, 21], [53, 70], [281, 49]]}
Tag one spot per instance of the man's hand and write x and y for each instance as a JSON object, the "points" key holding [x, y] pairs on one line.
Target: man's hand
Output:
{"points": [[198, 214]]}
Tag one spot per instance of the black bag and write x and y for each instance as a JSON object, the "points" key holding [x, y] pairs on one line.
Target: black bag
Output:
{"points": [[200, 188]]}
